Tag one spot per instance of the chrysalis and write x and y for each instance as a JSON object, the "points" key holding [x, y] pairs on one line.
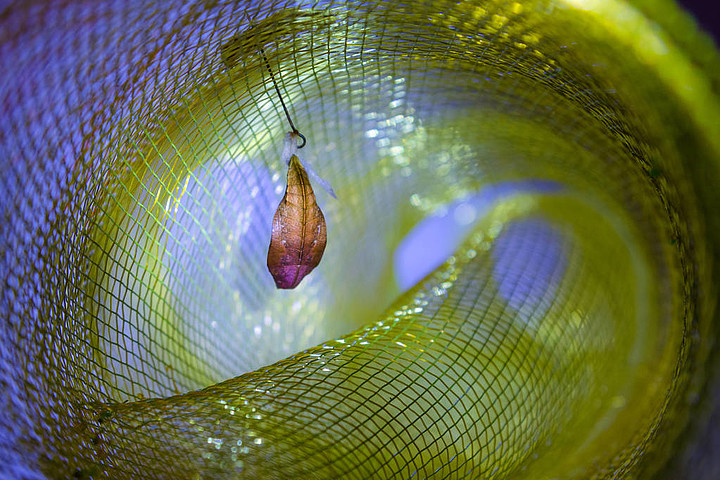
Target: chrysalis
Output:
{"points": [[299, 233]]}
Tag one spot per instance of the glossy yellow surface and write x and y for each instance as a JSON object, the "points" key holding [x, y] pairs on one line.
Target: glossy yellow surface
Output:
{"points": [[561, 339]]}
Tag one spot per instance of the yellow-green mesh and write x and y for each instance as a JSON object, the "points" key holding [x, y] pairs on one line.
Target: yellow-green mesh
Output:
{"points": [[142, 336]]}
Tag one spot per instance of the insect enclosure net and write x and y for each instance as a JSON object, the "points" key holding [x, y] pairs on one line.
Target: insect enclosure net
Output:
{"points": [[563, 155]]}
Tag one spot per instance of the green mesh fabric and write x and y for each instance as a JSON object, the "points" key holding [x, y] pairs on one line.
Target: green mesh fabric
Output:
{"points": [[566, 333]]}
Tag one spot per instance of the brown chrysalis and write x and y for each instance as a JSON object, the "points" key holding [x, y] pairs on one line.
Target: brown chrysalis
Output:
{"points": [[299, 233]]}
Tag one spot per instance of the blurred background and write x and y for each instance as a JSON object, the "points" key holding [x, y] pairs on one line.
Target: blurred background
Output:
{"points": [[521, 271], [707, 14]]}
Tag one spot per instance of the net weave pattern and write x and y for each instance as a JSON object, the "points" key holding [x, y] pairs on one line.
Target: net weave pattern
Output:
{"points": [[142, 336]]}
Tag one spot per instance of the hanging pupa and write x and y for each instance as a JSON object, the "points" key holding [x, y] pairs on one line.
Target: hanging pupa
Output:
{"points": [[299, 233]]}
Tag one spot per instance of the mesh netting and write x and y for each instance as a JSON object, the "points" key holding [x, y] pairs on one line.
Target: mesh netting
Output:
{"points": [[566, 151]]}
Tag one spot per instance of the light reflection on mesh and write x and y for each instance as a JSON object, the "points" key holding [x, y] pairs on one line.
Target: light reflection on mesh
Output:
{"points": [[144, 338]]}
